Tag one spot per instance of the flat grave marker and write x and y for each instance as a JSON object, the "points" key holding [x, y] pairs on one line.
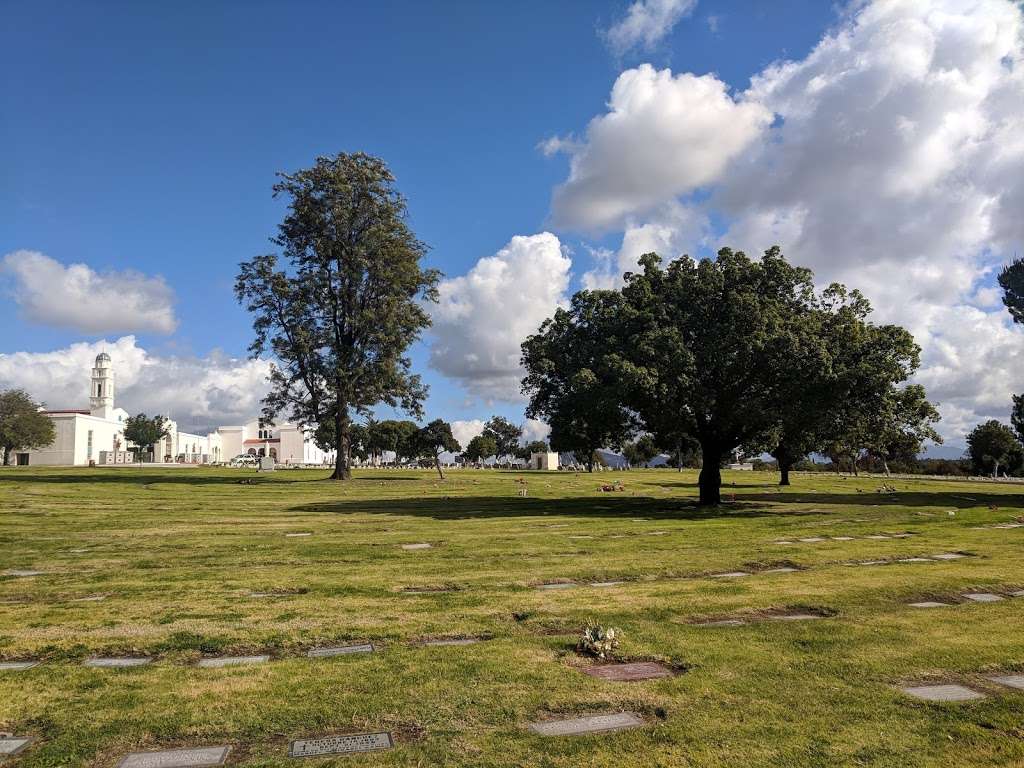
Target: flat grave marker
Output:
{"points": [[915, 560], [117, 662], [983, 597], [628, 672], [296, 535], [720, 623], [942, 693], [415, 546], [795, 617], [453, 641], [341, 744], [606, 583], [842, 538], [576, 726], [339, 650], [17, 666], [22, 573], [812, 539], [1018, 593], [948, 556], [929, 604], [1010, 681], [231, 661], [784, 569], [192, 757], [11, 745], [557, 585], [729, 575]]}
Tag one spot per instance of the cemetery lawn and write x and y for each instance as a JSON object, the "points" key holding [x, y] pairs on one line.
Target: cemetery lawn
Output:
{"points": [[183, 564]]}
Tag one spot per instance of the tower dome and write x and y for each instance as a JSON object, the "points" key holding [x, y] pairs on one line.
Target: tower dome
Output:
{"points": [[101, 391], [102, 360]]}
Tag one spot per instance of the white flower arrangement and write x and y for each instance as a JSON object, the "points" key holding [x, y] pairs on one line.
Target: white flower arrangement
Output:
{"points": [[599, 641]]}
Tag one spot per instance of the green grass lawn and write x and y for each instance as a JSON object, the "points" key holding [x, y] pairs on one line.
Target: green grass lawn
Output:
{"points": [[178, 555]]}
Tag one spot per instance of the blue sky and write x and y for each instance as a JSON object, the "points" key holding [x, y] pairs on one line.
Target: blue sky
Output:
{"points": [[145, 137]]}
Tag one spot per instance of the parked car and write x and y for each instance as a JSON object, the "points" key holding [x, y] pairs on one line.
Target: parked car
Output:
{"points": [[244, 460]]}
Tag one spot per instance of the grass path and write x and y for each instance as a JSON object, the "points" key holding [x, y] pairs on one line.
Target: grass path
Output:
{"points": [[176, 557]]}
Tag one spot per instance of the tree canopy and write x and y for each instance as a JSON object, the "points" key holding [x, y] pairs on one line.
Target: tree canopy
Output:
{"points": [[479, 448], [505, 434], [434, 439], [574, 375], [992, 447], [22, 426], [1011, 280], [145, 432], [340, 312]]}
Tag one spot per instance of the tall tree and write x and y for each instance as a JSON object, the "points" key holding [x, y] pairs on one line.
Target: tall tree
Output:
{"points": [[1017, 416], [1011, 280], [712, 349], [573, 375], [340, 314], [22, 426], [505, 434], [845, 395], [992, 446], [480, 448], [145, 432], [433, 440], [395, 435], [640, 451]]}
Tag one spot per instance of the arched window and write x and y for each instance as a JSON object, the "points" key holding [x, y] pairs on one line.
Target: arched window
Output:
{"points": [[252, 451]]}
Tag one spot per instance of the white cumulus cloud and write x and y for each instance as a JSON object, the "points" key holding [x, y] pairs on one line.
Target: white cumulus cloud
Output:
{"points": [[465, 430], [664, 135], [76, 296], [200, 393], [484, 316], [646, 23]]}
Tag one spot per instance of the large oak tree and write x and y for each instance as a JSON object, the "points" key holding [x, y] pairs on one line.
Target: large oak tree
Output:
{"points": [[22, 426], [339, 310]]}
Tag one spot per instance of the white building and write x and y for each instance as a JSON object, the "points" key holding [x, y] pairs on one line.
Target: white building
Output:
{"points": [[546, 460], [97, 435]]}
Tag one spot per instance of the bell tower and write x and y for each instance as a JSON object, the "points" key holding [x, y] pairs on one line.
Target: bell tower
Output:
{"points": [[101, 395]]}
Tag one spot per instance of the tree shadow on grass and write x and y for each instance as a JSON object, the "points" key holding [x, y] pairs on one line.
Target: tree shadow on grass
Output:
{"points": [[489, 507]]}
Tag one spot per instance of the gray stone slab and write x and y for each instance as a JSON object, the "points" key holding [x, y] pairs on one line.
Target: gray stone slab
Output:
{"points": [[629, 672], [1010, 681], [915, 560], [901, 535], [795, 617], [341, 745], [784, 541], [190, 757], [339, 650], [781, 570], [812, 539], [606, 583], [20, 573], [948, 556], [13, 745], [720, 623], [17, 666], [729, 575], [557, 585], [942, 693], [453, 641], [929, 604], [117, 662], [1018, 593], [619, 721], [415, 546], [297, 535], [842, 538], [878, 536], [232, 661], [983, 597]]}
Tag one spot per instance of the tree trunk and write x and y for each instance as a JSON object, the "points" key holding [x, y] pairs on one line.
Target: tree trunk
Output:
{"points": [[710, 479], [7, 455], [784, 467], [342, 468], [885, 466], [437, 463]]}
